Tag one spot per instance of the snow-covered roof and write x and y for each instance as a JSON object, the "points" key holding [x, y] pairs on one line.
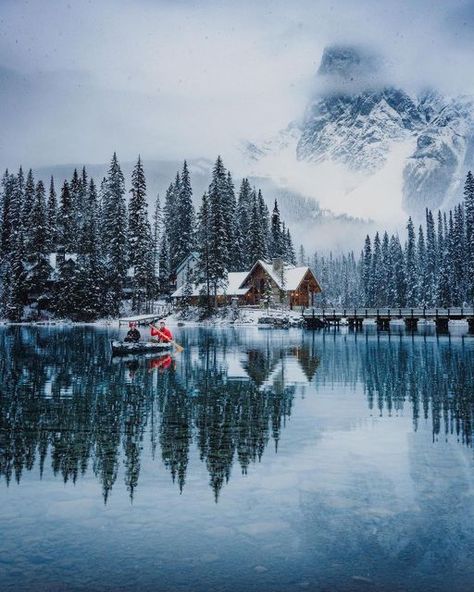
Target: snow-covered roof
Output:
{"points": [[233, 288], [289, 280]]}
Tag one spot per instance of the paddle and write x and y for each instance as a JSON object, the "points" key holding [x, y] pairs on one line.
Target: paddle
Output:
{"points": [[178, 347]]}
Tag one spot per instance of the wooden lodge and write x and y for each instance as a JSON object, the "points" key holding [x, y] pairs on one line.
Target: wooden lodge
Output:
{"points": [[273, 282]]}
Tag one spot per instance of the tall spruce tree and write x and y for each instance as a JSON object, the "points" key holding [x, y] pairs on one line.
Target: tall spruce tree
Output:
{"points": [[469, 222], [52, 217], [431, 259], [367, 272], [218, 239], [88, 276], [410, 266], [184, 218], [115, 229], [277, 238], [140, 240], [204, 268], [244, 207]]}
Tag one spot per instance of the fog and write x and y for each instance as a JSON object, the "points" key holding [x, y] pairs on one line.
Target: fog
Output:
{"points": [[175, 80]]}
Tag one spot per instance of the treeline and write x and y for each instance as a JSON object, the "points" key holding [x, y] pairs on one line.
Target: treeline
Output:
{"points": [[433, 267], [80, 250]]}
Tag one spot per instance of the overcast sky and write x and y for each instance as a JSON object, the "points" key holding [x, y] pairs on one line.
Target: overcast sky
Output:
{"points": [[179, 79]]}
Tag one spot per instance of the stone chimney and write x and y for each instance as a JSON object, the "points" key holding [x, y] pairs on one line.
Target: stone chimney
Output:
{"points": [[277, 264]]}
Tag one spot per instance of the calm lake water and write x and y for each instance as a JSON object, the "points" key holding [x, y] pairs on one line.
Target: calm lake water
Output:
{"points": [[257, 460]]}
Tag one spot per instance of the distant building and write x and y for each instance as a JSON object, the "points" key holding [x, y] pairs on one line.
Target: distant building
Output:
{"points": [[279, 282], [186, 268], [276, 282]]}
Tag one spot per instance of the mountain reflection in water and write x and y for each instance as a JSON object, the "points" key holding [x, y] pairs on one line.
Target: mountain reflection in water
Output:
{"points": [[64, 401]]}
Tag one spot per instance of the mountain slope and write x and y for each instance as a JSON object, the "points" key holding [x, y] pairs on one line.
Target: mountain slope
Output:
{"points": [[357, 119]]}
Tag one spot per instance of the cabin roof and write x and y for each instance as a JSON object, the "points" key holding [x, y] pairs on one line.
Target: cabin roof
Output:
{"points": [[292, 276], [233, 288]]}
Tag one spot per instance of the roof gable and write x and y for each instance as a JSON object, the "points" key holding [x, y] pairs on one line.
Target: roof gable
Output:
{"points": [[289, 280]]}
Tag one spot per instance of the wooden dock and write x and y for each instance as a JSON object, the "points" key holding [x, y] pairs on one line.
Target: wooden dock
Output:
{"points": [[321, 317]]}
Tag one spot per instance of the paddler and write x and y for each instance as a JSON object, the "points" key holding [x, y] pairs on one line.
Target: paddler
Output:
{"points": [[133, 335], [161, 333]]}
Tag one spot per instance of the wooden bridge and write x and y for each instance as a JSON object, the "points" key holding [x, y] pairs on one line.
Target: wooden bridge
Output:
{"points": [[321, 317]]}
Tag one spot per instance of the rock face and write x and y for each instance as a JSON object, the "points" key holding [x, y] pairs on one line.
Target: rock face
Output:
{"points": [[356, 117]]}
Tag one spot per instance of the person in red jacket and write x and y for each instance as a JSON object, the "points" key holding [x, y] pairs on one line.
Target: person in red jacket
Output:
{"points": [[161, 333]]}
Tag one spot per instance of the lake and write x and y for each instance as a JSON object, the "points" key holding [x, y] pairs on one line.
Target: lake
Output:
{"points": [[256, 460]]}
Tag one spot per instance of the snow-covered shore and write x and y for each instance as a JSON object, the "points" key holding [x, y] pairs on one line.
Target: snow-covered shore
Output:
{"points": [[194, 317]]}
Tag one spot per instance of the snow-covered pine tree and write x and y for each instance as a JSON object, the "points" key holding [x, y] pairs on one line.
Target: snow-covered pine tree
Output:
{"points": [[52, 216], [277, 238], [185, 223], [431, 257], [89, 274], [27, 207], [367, 272], [443, 294], [265, 220], [244, 208], [218, 239], [66, 220], [170, 220], [376, 272], [164, 265], [39, 268], [458, 261], [385, 271], [422, 269], [233, 231], [115, 228], [140, 240], [398, 286], [203, 269], [290, 256], [158, 231], [469, 222], [258, 247], [411, 272]]}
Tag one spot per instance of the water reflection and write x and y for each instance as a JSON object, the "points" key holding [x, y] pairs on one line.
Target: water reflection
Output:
{"points": [[63, 400]]}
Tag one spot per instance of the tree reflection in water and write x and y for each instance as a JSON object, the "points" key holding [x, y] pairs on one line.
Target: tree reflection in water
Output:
{"points": [[63, 401]]}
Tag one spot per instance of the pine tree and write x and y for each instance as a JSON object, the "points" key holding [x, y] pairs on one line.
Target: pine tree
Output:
{"points": [[257, 244], [218, 239], [431, 259], [398, 286], [27, 207], [386, 271], [115, 230], [376, 275], [170, 218], [164, 265], [277, 239], [158, 232], [88, 275], [443, 295], [367, 272], [290, 255], [422, 269], [185, 218], [140, 240], [469, 222], [204, 268], [410, 266], [244, 208], [458, 260], [52, 217], [66, 223], [264, 215]]}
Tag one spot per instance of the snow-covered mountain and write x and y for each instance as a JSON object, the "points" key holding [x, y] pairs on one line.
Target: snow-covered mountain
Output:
{"points": [[359, 121]]}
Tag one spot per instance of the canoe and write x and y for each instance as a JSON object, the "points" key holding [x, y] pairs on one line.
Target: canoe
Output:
{"points": [[120, 348]]}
